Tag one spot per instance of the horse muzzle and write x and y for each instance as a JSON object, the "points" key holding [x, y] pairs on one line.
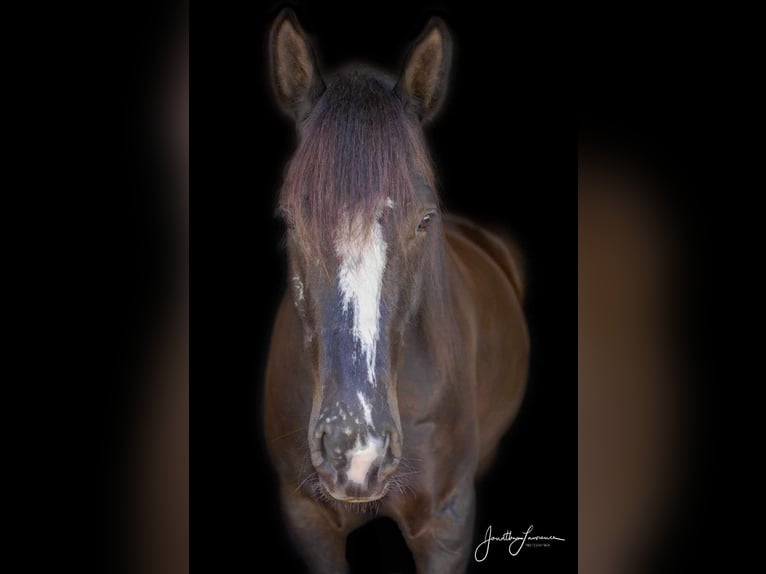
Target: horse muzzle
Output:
{"points": [[354, 465]]}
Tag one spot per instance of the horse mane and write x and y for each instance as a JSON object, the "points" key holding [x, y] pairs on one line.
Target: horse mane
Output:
{"points": [[357, 153]]}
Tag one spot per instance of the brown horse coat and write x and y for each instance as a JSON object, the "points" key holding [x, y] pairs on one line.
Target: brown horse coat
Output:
{"points": [[450, 431]]}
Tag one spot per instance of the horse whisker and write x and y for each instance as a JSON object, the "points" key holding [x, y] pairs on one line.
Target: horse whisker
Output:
{"points": [[287, 434], [308, 477]]}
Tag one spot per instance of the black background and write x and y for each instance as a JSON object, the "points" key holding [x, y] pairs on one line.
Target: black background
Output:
{"points": [[505, 152]]}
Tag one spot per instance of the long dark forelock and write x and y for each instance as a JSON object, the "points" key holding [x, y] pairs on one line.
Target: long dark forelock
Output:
{"points": [[358, 149]]}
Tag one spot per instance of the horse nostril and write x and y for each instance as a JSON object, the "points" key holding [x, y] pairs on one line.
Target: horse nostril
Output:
{"points": [[326, 449], [318, 451], [393, 445], [333, 452], [324, 445], [393, 454]]}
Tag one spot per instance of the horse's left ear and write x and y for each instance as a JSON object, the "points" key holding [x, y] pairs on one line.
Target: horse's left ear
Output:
{"points": [[423, 83]]}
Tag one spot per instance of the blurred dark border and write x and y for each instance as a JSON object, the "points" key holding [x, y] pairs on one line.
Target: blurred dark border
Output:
{"points": [[128, 209], [657, 109]]}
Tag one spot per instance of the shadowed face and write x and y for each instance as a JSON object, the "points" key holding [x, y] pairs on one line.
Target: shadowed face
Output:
{"points": [[359, 204], [357, 261], [350, 304]]}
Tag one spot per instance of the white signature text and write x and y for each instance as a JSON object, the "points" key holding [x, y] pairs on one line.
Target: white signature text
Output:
{"points": [[515, 543]]}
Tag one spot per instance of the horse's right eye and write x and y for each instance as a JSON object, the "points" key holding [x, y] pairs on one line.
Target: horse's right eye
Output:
{"points": [[286, 217]]}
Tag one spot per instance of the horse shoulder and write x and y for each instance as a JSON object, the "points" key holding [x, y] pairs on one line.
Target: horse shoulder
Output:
{"points": [[490, 271], [496, 244]]}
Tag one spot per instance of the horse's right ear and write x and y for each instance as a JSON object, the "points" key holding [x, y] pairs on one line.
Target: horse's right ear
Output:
{"points": [[294, 70]]}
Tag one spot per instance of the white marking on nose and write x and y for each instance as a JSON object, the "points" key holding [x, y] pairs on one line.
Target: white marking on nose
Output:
{"points": [[362, 254], [362, 456], [298, 288], [366, 407]]}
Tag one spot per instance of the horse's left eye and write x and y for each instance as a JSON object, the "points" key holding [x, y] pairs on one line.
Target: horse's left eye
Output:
{"points": [[426, 221]]}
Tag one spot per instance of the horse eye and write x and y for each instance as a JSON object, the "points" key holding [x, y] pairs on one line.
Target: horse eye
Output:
{"points": [[426, 221]]}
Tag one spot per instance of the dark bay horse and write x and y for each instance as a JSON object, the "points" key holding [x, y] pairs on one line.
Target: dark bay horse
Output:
{"points": [[399, 354]]}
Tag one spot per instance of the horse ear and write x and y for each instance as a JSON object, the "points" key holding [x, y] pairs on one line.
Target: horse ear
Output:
{"points": [[294, 70], [423, 83]]}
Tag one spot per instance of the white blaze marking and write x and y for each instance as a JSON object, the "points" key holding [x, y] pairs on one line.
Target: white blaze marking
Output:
{"points": [[362, 255], [366, 408], [298, 288], [362, 456]]}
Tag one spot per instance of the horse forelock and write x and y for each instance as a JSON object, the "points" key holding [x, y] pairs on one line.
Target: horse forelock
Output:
{"points": [[359, 151]]}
